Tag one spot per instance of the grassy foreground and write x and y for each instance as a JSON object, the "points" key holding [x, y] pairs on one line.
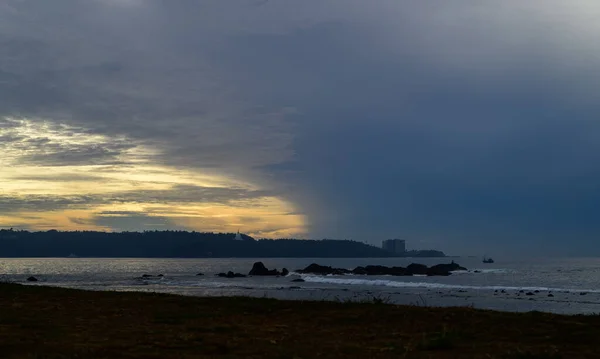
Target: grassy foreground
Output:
{"points": [[44, 322]]}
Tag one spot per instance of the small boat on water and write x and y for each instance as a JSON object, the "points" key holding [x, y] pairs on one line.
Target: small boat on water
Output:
{"points": [[487, 260]]}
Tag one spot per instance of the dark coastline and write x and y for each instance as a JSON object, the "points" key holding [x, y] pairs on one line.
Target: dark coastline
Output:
{"points": [[52, 322], [181, 244]]}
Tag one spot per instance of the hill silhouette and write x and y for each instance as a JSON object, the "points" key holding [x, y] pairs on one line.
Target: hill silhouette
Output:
{"points": [[179, 244]]}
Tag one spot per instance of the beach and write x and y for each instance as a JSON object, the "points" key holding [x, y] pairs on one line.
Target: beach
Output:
{"points": [[50, 322]]}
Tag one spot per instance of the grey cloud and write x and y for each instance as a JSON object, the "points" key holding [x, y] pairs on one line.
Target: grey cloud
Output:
{"points": [[158, 90], [177, 194], [59, 178], [7, 124], [79, 157], [471, 125], [118, 213], [8, 138], [48, 152], [34, 203]]}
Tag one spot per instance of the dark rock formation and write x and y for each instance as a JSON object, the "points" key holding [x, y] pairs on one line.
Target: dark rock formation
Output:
{"points": [[32, 279], [200, 274], [377, 270], [259, 269], [415, 268], [412, 269], [299, 280], [444, 269], [230, 274], [285, 272], [360, 271], [323, 270]]}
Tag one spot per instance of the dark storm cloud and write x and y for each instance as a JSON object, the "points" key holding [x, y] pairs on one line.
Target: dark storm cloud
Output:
{"points": [[467, 125], [487, 145]]}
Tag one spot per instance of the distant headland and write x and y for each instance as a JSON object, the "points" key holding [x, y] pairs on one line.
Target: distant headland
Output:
{"points": [[183, 244]]}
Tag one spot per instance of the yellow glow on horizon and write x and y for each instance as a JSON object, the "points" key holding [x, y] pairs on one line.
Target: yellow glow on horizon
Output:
{"points": [[126, 185]]}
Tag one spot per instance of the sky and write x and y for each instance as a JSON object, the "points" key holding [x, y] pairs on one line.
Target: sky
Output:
{"points": [[469, 126]]}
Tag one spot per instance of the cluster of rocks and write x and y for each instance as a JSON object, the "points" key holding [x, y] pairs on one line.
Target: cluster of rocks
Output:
{"points": [[258, 269], [532, 293], [412, 269]]}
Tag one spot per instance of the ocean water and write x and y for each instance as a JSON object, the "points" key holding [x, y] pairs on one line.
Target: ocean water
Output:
{"points": [[568, 286]]}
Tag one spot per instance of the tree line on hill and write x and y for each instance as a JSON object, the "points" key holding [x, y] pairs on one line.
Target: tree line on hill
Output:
{"points": [[179, 244]]}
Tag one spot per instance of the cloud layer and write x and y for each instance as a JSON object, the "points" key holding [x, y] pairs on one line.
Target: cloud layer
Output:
{"points": [[466, 126]]}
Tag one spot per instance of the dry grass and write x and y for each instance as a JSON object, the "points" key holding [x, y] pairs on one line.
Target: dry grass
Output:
{"points": [[43, 322]]}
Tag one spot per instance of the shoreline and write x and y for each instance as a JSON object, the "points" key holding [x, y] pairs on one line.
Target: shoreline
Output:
{"points": [[99, 324], [514, 302], [504, 289]]}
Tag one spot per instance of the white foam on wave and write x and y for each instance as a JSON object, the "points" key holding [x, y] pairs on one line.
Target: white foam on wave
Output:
{"points": [[428, 285], [483, 270], [235, 284]]}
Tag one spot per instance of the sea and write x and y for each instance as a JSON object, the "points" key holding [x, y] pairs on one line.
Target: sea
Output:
{"points": [[566, 286]]}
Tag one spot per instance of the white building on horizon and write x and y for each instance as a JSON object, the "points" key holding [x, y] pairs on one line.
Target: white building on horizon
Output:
{"points": [[394, 245], [238, 236]]}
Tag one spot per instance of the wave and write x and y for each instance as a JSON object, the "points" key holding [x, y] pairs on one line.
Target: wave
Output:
{"points": [[429, 285], [462, 272], [483, 270], [228, 285]]}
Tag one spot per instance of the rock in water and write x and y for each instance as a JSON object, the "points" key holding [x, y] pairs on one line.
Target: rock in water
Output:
{"points": [[259, 269], [412, 269], [360, 271], [444, 269], [298, 280], [323, 270], [32, 279], [315, 268], [285, 272], [415, 268], [230, 274]]}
